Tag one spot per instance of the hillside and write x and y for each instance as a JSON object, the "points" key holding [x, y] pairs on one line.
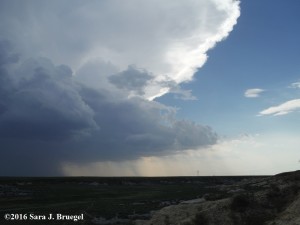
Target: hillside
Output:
{"points": [[255, 201]]}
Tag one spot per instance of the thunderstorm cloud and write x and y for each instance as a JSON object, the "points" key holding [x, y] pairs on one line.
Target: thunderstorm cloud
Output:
{"points": [[79, 79]]}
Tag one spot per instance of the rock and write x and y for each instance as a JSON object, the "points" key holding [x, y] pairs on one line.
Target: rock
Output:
{"points": [[193, 201]]}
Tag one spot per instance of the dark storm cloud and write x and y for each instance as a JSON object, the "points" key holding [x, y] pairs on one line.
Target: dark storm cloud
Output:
{"points": [[6, 58], [47, 119], [45, 104], [6, 55], [131, 79], [50, 115], [130, 128], [135, 80]]}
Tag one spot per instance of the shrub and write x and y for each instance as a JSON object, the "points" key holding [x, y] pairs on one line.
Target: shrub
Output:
{"points": [[240, 202], [200, 219], [187, 223]]}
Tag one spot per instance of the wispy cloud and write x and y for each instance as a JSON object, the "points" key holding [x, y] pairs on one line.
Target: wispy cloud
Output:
{"points": [[295, 85], [283, 109], [253, 93]]}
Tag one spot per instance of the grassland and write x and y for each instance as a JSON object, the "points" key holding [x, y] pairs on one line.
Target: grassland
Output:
{"points": [[99, 197]]}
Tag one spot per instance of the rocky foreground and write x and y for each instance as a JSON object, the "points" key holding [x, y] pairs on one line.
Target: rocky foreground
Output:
{"points": [[258, 201]]}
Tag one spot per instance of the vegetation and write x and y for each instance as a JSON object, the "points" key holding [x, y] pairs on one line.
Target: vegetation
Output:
{"points": [[126, 197], [200, 219]]}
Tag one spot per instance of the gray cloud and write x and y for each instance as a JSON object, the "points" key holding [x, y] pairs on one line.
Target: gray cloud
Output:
{"points": [[44, 104], [6, 86], [50, 119], [6, 55], [133, 80]]}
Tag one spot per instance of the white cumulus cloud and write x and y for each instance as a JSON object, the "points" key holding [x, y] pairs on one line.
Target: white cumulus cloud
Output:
{"points": [[253, 93], [283, 109]]}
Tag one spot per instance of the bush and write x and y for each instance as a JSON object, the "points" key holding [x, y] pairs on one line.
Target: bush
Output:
{"points": [[187, 223], [240, 202], [247, 211], [200, 219]]}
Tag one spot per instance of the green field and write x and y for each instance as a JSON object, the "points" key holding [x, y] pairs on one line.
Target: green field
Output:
{"points": [[94, 197]]}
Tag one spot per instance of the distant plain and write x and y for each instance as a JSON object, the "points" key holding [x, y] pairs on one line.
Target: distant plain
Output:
{"points": [[125, 198]]}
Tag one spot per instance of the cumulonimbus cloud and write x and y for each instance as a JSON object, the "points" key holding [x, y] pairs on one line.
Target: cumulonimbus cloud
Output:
{"points": [[169, 39], [47, 118], [121, 55], [282, 109]]}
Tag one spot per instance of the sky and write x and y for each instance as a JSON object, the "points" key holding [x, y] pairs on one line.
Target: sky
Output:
{"points": [[149, 88]]}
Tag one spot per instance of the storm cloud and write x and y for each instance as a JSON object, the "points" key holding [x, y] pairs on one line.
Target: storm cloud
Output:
{"points": [[132, 80], [78, 82], [169, 38], [50, 119]]}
